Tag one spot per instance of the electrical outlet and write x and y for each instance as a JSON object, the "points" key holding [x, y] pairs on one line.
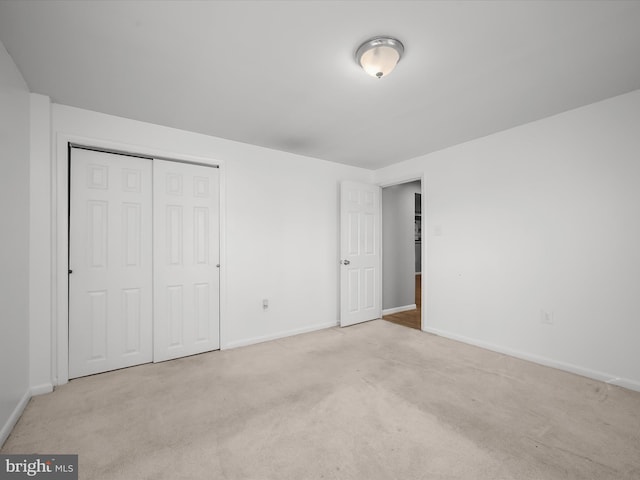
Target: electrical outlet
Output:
{"points": [[546, 317]]}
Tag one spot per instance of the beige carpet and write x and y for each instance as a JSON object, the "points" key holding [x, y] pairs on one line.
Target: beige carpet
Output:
{"points": [[372, 401]]}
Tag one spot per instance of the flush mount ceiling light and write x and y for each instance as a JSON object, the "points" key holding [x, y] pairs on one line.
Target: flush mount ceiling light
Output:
{"points": [[379, 55]]}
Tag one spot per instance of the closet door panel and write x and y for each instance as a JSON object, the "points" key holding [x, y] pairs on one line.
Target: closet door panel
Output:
{"points": [[186, 255], [110, 257]]}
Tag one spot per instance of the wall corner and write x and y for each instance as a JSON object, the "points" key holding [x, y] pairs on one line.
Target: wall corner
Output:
{"points": [[40, 305]]}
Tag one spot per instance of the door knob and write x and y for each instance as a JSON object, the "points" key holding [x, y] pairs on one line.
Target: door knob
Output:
{"points": [[346, 262]]}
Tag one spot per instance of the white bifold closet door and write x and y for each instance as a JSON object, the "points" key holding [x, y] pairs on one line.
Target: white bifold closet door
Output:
{"points": [[110, 262], [186, 259], [143, 261]]}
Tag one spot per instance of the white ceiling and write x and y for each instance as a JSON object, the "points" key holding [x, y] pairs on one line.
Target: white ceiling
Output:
{"points": [[282, 74]]}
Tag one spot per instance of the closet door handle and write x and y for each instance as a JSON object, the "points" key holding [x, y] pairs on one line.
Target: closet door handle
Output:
{"points": [[345, 262]]}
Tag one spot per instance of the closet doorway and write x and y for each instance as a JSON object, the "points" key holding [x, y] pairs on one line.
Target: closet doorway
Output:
{"points": [[143, 260]]}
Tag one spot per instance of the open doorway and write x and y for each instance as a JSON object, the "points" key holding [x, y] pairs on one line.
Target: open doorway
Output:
{"points": [[402, 251]]}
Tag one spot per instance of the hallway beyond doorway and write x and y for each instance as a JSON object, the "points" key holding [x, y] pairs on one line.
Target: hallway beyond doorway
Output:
{"points": [[410, 318]]}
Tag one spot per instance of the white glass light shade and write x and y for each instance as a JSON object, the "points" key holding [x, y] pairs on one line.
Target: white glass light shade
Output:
{"points": [[379, 56]]}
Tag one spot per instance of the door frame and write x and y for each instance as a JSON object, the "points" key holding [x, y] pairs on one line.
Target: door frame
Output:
{"points": [[423, 246], [60, 236]]}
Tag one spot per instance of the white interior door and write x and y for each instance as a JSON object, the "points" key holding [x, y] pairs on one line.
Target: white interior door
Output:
{"points": [[186, 257], [360, 252], [110, 262]]}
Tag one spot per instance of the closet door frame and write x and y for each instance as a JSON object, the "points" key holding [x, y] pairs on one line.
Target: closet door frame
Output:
{"points": [[60, 235]]}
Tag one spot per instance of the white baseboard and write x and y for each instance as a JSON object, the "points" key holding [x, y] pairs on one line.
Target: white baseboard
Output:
{"points": [[548, 362], [275, 336], [41, 389], [390, 311], [14, 417], [625, 383]]}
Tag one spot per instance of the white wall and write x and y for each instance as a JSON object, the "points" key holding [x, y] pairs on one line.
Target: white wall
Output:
{"points": [[545, 216], [14, 237], [283, 243], [281, 216], [398, 246], [40, 303]]}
